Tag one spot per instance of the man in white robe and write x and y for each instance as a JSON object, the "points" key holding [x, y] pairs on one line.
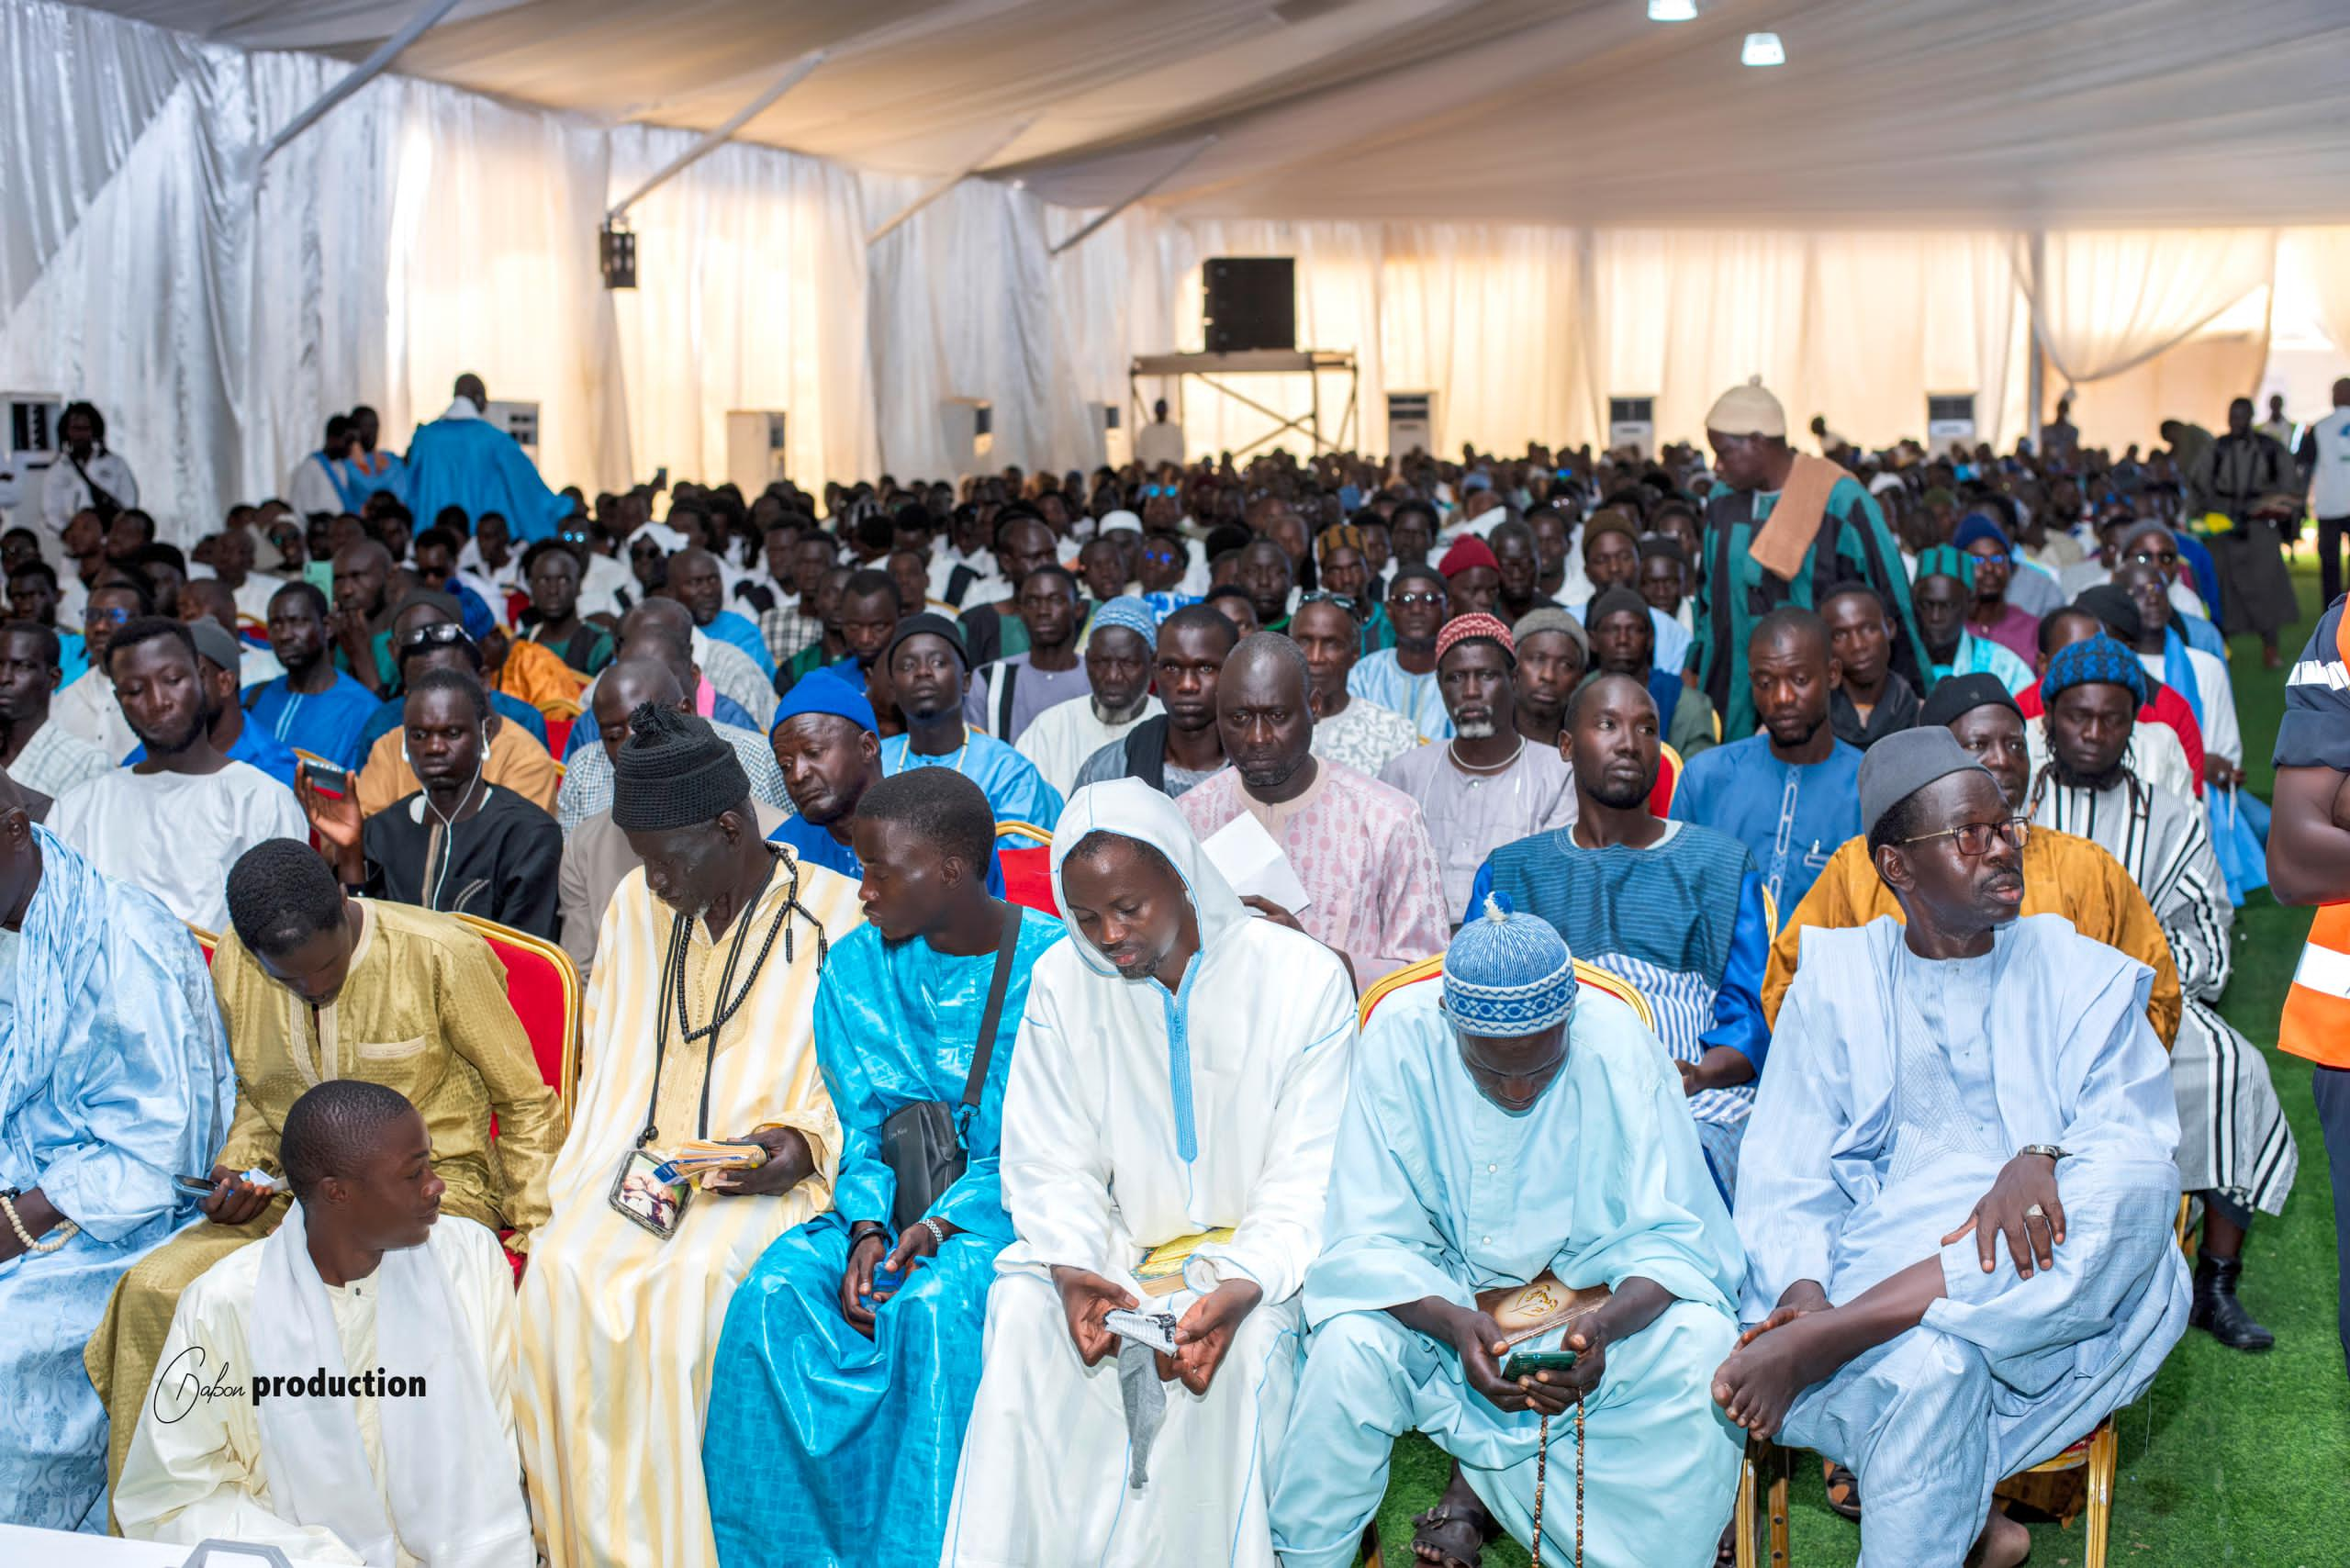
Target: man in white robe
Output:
{"points": [[395, 1447], [1956, 1191], [620, 1323], [1120, 645], [1178, 1079]]}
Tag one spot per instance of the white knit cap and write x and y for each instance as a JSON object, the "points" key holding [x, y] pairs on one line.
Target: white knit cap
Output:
{"points": [[1748, 409]]}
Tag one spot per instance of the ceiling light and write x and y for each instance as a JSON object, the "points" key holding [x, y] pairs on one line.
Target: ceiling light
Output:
{"points": [[1762, 49], [1672, 10]]}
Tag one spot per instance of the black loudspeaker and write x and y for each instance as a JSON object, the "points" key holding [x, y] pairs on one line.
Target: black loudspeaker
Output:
{"points": [[1251, 303]]}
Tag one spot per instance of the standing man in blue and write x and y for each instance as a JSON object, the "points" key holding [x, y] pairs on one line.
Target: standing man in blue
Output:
{"points": [[1958, 1193], [851, 1353], [927, 669], [114, 1075], [1674, 909], [462, 459], [1789, 794], [1502, 1132]]}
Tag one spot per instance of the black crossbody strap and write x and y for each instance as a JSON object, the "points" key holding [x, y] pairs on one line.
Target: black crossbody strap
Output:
{"points": [[977, 1083]]}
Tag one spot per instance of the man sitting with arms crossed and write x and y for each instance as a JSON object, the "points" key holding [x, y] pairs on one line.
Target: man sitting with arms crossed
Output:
{"points": [[408, 1455], [1178, 1084], [1359, 848], [1672, 908], [852, 1351], [1504, 1133], [1934, 1349], [114, 1076]]}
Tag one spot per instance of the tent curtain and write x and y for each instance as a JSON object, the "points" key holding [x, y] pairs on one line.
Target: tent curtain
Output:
{"points": [[2107, 301], [217, 310]]}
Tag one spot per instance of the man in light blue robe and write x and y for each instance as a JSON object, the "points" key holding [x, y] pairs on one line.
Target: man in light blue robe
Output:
{"points": [[462, 459], [1957, 1189], [833, 1439], [1500, 1128], [114, 1076]]}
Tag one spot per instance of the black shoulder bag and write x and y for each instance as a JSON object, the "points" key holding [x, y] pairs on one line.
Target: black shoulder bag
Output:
{"points": [[922, 1143]]}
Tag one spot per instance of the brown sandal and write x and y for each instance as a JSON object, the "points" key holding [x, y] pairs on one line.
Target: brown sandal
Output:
{"points": [[1462, 1529], [1843, 1490]]}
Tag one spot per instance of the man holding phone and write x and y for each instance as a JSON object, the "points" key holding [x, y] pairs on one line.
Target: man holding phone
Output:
{"points": [[1517, 1180]]}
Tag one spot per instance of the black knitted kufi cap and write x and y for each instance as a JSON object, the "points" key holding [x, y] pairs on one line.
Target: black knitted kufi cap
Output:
{"points": [[674, 771]]}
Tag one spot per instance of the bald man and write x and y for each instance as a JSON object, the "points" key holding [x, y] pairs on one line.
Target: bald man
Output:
{"points": [[1359, 848], [597, 854]]}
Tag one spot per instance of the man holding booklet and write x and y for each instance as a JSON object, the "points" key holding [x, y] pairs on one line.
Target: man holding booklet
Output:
{"points": [[1176, 1090], [1358, 849]]}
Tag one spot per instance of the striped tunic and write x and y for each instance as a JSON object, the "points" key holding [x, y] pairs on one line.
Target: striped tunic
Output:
{"points": [[2232, 1135], [620, 1326]]}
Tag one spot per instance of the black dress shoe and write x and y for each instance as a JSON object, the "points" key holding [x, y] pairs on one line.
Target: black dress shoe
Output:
{"points": [[2218, 1312]]}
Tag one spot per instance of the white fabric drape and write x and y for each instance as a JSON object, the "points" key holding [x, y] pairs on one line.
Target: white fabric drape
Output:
{"points": [[2325, 256], [2107, 301], [751, 295]]}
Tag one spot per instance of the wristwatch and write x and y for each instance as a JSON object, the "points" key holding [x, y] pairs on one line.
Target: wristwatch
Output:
{"points": [[2050, 1149]]}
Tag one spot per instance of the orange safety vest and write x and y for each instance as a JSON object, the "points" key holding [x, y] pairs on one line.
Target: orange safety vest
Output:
{"points": [[2317, 1005]]}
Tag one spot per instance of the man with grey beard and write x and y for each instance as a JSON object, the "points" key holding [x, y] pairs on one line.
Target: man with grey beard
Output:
{"points": [[1486, 787]]}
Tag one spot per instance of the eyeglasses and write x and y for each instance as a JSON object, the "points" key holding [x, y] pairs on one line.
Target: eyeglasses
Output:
{"points": [[1974, 838], [1154, 492], [2155, 558], [1162, 558], [440, 634], [98, 615], [2001, 559]]}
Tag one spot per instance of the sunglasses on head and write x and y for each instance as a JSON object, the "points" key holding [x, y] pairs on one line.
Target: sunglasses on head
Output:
{"points": [[1344, 602], [440, 634]]}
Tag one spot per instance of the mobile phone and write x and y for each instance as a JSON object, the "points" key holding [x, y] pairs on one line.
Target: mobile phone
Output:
{"points": [[199, 1185], [1525, 1363], [328, 778]]}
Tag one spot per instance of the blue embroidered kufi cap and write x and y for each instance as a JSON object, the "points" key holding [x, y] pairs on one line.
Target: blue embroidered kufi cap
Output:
{"points": [[1508, 974]]}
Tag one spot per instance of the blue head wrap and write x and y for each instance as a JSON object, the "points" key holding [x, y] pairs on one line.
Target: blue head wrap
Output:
{"points": [[1508, 974], [822, 691], [1128, 611], [1979, 525], [2099, 660]]}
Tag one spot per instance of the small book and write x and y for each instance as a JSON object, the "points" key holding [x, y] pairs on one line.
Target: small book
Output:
{"points": [[1161, 1272], [1542, 1304], [697, 1157]]}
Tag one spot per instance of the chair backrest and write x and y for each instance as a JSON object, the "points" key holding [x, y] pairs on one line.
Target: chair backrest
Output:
{"points": [[1668, 780], [544, 987], [205, 940], [1431, 969], [559, 735], [1028, 868]]}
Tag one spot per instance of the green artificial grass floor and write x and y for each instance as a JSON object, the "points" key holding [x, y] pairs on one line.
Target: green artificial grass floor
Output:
{"points": [[2230, 1458]]}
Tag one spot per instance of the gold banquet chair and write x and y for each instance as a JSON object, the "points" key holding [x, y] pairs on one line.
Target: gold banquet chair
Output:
{"points": [[1763, 1531]]}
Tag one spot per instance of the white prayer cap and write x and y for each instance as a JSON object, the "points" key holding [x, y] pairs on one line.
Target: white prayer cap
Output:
{"points": [[1748, 410]]}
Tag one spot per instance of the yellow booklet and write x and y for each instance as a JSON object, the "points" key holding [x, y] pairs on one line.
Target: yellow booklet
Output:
{"points": [[1161, 1272]]}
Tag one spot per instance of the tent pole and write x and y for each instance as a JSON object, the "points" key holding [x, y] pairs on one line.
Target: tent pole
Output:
{"points": [[942, 186], [2036, 367], [1147, 186], [720, 135], [427, 15]]}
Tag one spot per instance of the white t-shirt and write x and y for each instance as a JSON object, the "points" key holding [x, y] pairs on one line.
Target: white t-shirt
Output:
{"points": [[1161, 441], [2330, 478], [176, 834]]}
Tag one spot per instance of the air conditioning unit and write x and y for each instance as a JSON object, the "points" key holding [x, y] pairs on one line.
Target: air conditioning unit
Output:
{"points": [[970, 425], [1118, 442], [1950, 417], [1410, 424], [29, 445], [755, 447], [1631, 421], [520, 421]]}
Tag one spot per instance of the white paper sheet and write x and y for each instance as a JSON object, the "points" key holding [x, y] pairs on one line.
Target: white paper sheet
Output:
{"points": [[1253, 863]]}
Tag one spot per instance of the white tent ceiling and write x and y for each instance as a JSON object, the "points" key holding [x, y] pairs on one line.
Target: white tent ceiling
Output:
{"points": [[1888, 113]]}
